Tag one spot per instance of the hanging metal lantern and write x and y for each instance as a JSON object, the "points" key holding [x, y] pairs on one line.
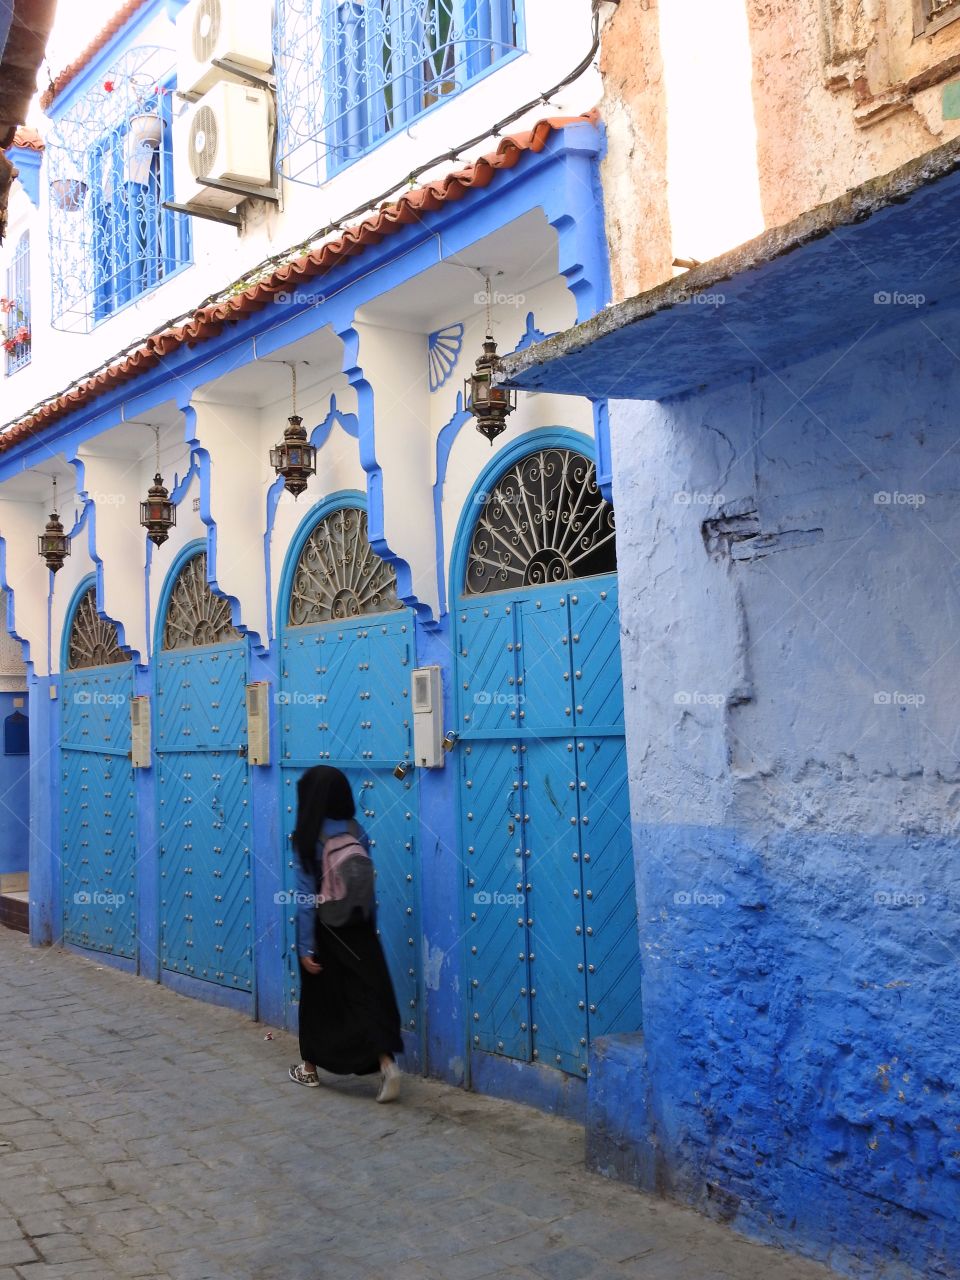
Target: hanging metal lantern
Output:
{"points": [[158, 515], [295, 458], [53, 545], [490, 405]]}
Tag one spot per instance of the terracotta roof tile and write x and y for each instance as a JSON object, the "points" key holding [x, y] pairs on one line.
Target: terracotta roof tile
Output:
{"points": [[119, 19], [208, 321], [29, 139]]}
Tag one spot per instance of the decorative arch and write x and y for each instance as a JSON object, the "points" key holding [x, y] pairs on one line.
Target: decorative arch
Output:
{"points": [[89, 639], [536, 516], [332, 572], [191, 613]]}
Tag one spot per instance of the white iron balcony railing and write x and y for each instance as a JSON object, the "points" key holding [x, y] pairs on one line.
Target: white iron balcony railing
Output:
{"points": [[352, 72], [110, 164]]}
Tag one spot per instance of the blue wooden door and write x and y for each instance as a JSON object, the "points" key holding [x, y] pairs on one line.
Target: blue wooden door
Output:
{"points": [[347, 653], [98, 810], [98, 806], [550, 914], [206, 888]]}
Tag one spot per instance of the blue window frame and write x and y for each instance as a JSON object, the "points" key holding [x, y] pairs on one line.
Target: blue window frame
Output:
{"points": [[388, 61], [16, 306], [134, 243]]}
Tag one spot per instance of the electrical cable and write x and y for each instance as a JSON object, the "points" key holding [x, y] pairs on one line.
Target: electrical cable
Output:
{"points": [[299, 250]]}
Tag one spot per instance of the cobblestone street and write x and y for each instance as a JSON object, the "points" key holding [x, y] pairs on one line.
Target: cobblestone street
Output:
{"points": [[144, 1134]]}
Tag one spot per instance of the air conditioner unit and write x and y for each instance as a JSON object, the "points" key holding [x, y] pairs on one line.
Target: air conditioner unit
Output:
{"points": [[225, 137], [239, 31]]}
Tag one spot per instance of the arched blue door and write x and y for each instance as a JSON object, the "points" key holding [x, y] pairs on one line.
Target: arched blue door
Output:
{"points": [[98, 813], [550, 915], [347, 651], [206, 886]]}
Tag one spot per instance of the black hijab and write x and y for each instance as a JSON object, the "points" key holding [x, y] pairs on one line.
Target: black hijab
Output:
{"points": [[323, 792]]}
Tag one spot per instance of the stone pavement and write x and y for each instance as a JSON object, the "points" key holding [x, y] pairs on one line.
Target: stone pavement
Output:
{"points": [[143, 1134]]}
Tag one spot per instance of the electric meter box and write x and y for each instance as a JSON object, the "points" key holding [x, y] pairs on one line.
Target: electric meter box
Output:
{"points": [[258, 722], [428, 718], [140, 732]]}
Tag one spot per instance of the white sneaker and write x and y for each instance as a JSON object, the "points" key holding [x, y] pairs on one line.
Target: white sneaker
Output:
{"points": [[389, 1084]]}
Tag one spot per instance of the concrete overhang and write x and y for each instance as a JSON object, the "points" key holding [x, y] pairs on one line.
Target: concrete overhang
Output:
{"points": [[883, 253]]}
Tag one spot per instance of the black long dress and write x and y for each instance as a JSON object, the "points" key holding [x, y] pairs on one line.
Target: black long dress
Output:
{"points": [[348, 1011]]}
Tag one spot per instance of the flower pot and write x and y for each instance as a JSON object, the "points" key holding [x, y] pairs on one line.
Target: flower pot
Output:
{"points": [[68, 193], [144, 135]]}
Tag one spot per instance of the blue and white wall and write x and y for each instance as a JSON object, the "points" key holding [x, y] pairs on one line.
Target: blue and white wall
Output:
{"points": [[792, 703]]}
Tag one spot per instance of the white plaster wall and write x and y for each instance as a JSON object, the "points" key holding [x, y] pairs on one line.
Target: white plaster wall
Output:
{"points": [[338, 469], [13, 670], [558, 35]]}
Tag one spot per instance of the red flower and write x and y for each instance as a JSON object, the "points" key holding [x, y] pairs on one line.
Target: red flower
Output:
{"points": [[108, 85]]}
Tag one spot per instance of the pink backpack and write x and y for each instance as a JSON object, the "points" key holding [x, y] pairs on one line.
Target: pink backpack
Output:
{"points": [[346, 883]]}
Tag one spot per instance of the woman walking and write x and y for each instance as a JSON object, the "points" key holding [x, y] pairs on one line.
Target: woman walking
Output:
{"points": [[349, 1021]]}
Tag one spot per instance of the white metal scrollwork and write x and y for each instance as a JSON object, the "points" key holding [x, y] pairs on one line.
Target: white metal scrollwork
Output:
{"points": [[93, 640], [195, 616], [339, 575], [545, 521]]}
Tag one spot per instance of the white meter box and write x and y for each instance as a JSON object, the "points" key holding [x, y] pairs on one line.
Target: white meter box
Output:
{"points": [[258, 722], [428, 718]]}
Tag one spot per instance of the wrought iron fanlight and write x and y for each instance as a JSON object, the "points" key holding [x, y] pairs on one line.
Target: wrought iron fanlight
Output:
{"points": [[158, 514], [294, 458], [490, 405], [53, 545]]}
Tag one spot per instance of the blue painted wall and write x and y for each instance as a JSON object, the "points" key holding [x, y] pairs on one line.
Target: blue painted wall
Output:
{"points": [[792, 707], [15, 796]]}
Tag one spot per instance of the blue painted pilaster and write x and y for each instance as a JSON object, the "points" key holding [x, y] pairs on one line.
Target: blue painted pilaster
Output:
{"points": [[148, 848], [267, 854], [442, 939], [46, 918]]}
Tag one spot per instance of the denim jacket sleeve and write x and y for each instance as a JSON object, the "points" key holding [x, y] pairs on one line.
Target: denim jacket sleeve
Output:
{"points": [[306, 911]]}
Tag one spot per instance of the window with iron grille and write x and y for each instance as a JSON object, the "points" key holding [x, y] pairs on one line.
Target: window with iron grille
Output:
{"points": [[931, 15], [352, 72], [110, 166], [135, 242], [16, 306]]}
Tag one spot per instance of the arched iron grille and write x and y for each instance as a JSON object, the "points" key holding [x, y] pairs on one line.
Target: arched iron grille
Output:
{"points": [[545, 521], [93, 641], [339, 575], [195, 616]]}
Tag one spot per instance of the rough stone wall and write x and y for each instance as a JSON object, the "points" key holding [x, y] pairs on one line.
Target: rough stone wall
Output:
{"points": [[634, 170], [841, 94], [790, 608]]}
